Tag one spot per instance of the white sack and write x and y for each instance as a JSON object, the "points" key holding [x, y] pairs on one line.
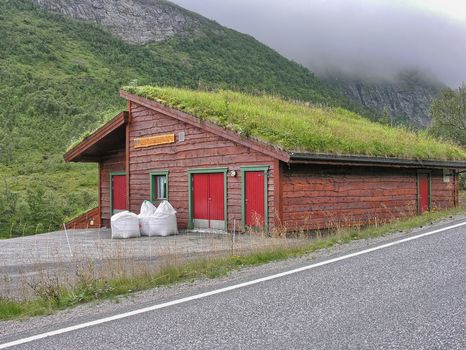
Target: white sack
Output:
{"points": [[165, 220], [125, 225], [161, 223], [165, 208], [147, 211], [144, 225]]}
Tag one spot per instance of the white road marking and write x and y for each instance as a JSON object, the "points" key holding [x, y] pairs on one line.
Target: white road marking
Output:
{"points": [[219, 291]]}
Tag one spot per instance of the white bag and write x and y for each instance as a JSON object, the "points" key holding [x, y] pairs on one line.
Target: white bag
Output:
{"points": [[147, 209], [164, 223], [161, 223], [125, 225], [145, 217]]}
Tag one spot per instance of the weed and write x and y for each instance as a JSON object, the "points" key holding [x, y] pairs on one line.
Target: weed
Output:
{"points": [[47, 289]]}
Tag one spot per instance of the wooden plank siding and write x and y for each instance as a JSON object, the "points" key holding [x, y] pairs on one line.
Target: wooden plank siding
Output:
{"points": [[320, 197], [201, 149], [444, 194], [111, 163], [89, 219]]}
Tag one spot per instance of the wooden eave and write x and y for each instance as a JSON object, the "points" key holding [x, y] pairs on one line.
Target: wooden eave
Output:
{"points": [[255, 145], [78, 153], [357, 160]]}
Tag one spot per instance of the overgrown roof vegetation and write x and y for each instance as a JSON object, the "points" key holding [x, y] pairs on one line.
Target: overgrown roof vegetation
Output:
{"points": [[300, 127]]}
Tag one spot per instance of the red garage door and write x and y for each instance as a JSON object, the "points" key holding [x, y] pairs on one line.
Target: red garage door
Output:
{"points": [[423, 193], [255, 198], [208, 200], [118, 193]]}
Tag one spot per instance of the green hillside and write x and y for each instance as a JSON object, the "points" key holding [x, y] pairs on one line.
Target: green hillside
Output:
{"points": [[60, 78]]}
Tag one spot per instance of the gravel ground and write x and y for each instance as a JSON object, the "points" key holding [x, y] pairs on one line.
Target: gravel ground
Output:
{"points": [[26, 260]]}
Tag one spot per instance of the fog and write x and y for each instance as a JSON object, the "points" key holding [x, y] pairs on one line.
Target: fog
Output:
{"points": [[369, 38]]}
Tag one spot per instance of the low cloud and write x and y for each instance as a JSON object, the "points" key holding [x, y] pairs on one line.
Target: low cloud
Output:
{"points": [[374, 39]]}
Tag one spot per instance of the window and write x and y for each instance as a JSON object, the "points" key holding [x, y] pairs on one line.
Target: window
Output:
{"points": [[159, 186]]}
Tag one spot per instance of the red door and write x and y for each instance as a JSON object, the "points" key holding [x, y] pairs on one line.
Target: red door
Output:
{"points": [[200, 183], [208, 200], [216, 197], [118, 193], [255, 198], [423, 193]]}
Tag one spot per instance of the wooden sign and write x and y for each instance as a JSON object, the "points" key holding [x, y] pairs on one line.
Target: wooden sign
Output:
{"points": [[150, 141]]}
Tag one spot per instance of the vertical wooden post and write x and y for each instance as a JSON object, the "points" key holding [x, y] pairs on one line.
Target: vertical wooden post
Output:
{"points": [[128, 149], [99, 194], [278, 192]]}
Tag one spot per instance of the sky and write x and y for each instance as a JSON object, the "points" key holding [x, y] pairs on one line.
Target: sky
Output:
{"points": [[369, 38]]}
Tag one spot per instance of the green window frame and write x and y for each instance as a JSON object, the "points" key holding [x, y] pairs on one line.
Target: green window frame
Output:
{"points": [[159, 188], [244, 170]]}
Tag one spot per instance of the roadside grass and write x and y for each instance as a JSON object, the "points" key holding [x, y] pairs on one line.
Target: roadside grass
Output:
{"points": [[52, 295]]}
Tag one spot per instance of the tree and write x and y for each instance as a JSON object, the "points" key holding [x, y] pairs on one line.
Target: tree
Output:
{"points": [[449, 115]]}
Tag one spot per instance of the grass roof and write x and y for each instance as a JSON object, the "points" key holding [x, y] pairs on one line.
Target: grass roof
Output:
{"points": [[300, 127]]}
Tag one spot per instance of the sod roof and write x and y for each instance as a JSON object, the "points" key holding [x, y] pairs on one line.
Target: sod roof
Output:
{"points": [[301, 127]]}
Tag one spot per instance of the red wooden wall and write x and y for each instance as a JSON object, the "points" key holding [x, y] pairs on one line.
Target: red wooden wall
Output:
{"points": [[444, 194], [200, 149], [90, 219], [319, 197]]}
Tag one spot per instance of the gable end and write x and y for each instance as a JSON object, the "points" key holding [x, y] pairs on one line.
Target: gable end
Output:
{"points": [[209, 127]]}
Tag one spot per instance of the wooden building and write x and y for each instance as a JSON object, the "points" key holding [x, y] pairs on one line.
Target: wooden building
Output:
{"points": [[215, 177]]}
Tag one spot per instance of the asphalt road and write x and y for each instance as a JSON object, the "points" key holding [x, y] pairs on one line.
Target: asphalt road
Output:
{"points": [[407, 296]]}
